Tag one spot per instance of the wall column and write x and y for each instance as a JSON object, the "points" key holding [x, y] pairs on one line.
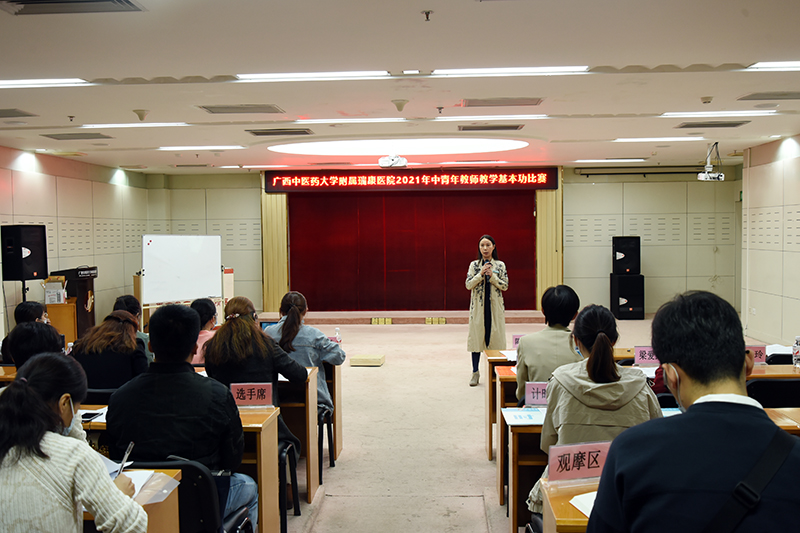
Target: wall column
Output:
{"points": [[549, 238], [274, 248]]}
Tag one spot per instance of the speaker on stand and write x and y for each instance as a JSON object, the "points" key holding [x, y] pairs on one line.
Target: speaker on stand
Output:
{"points": [[24, 249]]}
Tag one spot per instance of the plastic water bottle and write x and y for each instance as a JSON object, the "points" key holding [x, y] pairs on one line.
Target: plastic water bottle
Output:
{"points": [[339, 336], [796, 351]]}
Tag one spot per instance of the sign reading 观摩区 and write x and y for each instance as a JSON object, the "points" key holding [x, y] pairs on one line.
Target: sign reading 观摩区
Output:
{"points": [[530, 178]]}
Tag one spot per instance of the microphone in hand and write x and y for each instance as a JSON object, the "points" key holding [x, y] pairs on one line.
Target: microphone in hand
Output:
{"points": [[487, 276]]}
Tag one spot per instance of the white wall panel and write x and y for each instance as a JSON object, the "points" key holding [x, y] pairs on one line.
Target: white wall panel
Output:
{"points": [[188, 204], [767, 322], [766, 272], [791, 228], [651, 198], [158, 204], [34, 194], [722, 286], [591, 230], [134, 203], [132, 235], [791, 278], [106, 200], [233, 204], [246, 264], [660, 290], [791, 181], [249, 289], [662, 230], [241, 234], [107, 236], [104, 302], [791, 326], [132, 265], [711, 228], [75, 237], [727, 194], [110, 272], [710, 260], [591, 290], [159, 227], [587, 261], [600, 198], [74, 197], [663, 261], [764, 188], [189, 227], [762, 228], [6, 195], [701, 197]]}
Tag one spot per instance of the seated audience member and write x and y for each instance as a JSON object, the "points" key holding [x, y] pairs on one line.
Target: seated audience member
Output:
{"points": [[681, 473], [130, 304], [25, 312], [596, 399], [208, 319], [110, 353], [538, 354], [171, 410], [32, 338], [239, 352], [306, 345], [48, 472]]}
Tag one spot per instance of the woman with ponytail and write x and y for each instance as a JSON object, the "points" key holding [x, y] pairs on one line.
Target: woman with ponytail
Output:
{"points": [[593, 400], [48, 472], [306, 345]]}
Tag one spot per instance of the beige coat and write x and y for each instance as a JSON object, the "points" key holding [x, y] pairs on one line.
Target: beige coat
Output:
{"points": [[540, 353], [499, 283]]}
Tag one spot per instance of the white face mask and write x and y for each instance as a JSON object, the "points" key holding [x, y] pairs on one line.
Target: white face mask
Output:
{"points": [[75, 418], [677, 391]]}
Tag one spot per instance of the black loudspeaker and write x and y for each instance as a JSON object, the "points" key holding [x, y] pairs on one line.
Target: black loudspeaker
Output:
{"points": [[626, 258], [24, 252], [627, 296]]}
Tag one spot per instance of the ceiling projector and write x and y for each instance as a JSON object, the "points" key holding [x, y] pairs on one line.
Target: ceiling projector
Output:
{"points": [[392, 161], [708, 174]]}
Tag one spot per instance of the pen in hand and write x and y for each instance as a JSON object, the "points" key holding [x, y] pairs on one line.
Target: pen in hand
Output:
{"points": [[124, 459]]}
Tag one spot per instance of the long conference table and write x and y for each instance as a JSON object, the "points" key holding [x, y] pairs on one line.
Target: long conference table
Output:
{"points": [[527, 461]]}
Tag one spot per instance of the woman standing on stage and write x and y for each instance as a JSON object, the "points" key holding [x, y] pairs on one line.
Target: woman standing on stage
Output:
{"points": [[486, 278]]}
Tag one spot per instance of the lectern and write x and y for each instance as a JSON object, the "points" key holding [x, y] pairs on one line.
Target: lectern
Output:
{"points": [[80, 285]]}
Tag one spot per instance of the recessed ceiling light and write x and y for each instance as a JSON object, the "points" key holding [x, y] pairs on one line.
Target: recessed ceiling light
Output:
{"points": [[196, 148], [712, 114], [136, 125], [348, 120], [511, 71], [631, 160], [382, 147], [657, 139], [775, 66], [490, 117], [56, 82], [316, 76]]}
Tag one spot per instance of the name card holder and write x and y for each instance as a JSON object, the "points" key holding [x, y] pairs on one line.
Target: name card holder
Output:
{"points": [[644, 356], [577, 461], [536, 393], [759, 353], [515, 340], [252, 394]]}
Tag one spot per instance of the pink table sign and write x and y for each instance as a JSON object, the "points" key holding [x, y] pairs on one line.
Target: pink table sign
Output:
{"points": [[252, 393], [759, 353], [333, 339], [536, 393], [643, 355], [515, 340], [574, 461]]}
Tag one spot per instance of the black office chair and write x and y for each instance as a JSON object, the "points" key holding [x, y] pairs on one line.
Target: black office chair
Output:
{"points": [[666, 399], [286, 451], [779, 359], [775, 392], [325, 419], [199, 501], [626, 362], [98, 396]]}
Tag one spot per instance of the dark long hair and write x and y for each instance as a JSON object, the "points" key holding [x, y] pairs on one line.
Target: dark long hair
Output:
{"points": [[29, 404], [596, 328], [239, 336], [293, 305], [129, 303], [117, 331], [494, 251]]}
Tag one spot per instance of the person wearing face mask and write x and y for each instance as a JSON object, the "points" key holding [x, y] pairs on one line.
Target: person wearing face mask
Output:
{"points": [[595, 399], [48, 472], [692, 472]]}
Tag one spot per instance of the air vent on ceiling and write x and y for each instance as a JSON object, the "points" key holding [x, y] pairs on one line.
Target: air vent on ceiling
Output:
{"points": [[191, 166], [50, 7], [75, 136], [491, 127], [713, 124], [67, 154], [500, 102], [280, 132], [132, 167], [775, 95], [241, 108], [15, 113]]}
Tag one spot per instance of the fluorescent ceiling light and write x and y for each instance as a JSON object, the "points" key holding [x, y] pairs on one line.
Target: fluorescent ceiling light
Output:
{"points": [[411, 71], [254, 166], [194, 148], [316, 76], [512, 71], [775, 66], [657, 139], [473, 162], [56, 82], [631, 160], [348, 120], [774, 136], [721, 114], [135, 125], [490, 117], [381, 147]]}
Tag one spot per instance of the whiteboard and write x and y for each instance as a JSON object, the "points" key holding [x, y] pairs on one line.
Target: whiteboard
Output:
{"points": [[181, 267]]}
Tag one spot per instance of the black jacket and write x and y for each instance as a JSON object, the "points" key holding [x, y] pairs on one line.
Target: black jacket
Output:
{"points": [[171, 410], [109, 369]]}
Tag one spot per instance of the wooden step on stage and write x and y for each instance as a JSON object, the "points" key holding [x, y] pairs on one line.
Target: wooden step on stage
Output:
{"points": [[404, 317]]}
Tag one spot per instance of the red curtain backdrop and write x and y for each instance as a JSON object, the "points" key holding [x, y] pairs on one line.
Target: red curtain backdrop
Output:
{"points": [[406, 251]]}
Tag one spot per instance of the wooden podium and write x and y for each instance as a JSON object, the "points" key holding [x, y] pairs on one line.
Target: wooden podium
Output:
{"points": [[63, 317]]}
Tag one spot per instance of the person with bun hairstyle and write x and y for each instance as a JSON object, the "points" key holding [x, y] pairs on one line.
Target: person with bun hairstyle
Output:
{"points": [[130, 303], [48, 472], [593, 400], [487, 279], [110, 353], [305, 344]]}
